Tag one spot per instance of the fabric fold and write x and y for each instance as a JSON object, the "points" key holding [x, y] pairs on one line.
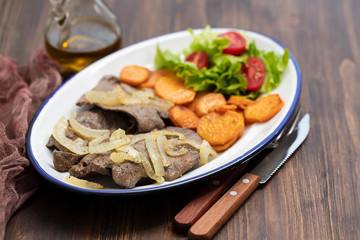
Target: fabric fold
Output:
{"points": [[22, 91]]}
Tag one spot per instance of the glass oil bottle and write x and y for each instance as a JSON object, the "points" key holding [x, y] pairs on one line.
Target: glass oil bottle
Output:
{"points": [[79, 32]]}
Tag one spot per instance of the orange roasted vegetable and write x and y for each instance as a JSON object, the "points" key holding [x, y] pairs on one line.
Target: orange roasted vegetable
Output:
{"points": [[155, 75], [191, 105], [223, 108], [220, 128], [263, 109], [172, 88], [150, 82], [134, 75], [240, 130], [221, 148], [183, 117], [207, 102], [239, 101]]}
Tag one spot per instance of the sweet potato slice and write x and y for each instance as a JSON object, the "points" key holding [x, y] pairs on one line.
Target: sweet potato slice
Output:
{"points": [[173, 89], [181, 116], [239, 101], [223, 108], [134, 75], [150, 82], [242, 124], [239, 130], [263, 109], [155, 75], [221, 148], [191, 105], [209, 101], [220, 128]]}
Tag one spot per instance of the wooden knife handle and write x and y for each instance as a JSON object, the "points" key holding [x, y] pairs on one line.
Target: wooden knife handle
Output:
{"points": [[208, 225], [205, 199]]}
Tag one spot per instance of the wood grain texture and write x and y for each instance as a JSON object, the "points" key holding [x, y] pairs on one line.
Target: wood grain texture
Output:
{"points": [[315, 195]]}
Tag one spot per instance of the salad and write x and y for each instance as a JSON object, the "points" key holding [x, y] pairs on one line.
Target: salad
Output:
{"points": [[225, 63]]}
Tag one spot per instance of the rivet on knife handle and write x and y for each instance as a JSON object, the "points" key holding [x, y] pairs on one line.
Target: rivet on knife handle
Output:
{"points": [[207, 226]]}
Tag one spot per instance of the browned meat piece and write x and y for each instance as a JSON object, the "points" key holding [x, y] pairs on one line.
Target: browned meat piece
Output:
{"points": [[146, 117], [92, 165], [94, 118], [128, 174], [97, 118], [63, 161], [179, 165], [53, 144]]}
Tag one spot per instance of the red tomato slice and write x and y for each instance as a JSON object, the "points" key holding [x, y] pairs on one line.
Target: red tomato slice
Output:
{"points": [[237, 43], [255, 73], [200, 58]]}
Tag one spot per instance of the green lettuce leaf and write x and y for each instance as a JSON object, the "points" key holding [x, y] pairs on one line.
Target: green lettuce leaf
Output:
{"points": [[209, 42], [224, 72]]}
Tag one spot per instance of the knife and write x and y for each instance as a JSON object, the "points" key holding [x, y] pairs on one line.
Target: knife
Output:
{"points": [[215, 188], [208, 225]]}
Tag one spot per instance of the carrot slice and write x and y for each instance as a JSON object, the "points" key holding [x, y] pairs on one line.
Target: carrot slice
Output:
{"points": [[183, 117], [207, 102], [220, 128], [134, 75], [173, 89], [263, 109], [239, 101]]}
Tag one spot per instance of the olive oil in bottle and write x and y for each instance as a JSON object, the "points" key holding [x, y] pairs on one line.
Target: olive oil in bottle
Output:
{"points": [[80, 32]]}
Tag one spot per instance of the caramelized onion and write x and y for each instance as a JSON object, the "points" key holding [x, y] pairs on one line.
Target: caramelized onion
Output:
{"points": [[109, 98], [161, 103], [118, 134], [83, 183], [172, 149], [149, 170], [98, 140], [120, 157], [169, 133], [127, 95], [161, 140], [130, 153], [207, 153], [136, 138], [117, 157], [59, 133], [85, 131], [107, 146], [150, 143]]}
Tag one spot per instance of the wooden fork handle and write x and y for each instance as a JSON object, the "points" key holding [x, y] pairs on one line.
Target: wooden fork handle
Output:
{"points": [[208, 225]]}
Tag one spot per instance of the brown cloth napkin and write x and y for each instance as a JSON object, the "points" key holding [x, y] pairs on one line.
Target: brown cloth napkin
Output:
{"points": [[22, 90]]}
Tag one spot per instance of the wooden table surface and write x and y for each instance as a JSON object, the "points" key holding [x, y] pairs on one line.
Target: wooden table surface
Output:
{"points": [[315, 195]]}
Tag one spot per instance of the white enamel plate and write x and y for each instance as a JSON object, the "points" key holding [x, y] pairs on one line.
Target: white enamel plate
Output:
{"points": [[62, 102]]}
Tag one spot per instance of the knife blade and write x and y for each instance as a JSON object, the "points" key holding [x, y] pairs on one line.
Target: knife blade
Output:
{"points": [[208, 225]]}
